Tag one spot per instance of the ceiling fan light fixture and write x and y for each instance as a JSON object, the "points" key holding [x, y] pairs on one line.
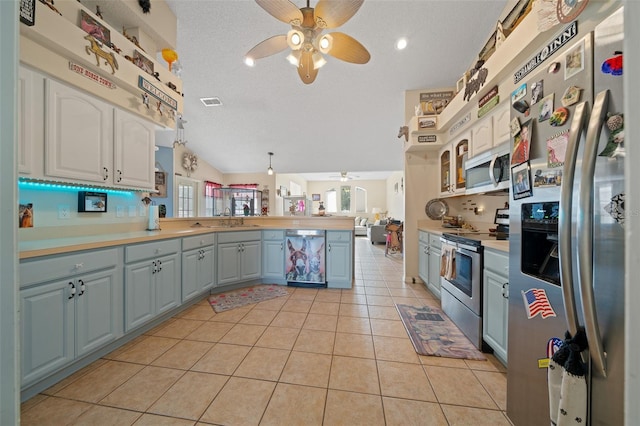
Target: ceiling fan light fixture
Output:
{"points": [[401, 44], [295, 39], [294, 58], [249, 61], [318, 60], [326, 43]]}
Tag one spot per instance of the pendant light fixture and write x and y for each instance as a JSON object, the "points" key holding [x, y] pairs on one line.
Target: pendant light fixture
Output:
{"points": [[270, 169]]}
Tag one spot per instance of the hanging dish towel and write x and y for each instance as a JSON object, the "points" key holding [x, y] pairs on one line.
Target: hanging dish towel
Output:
{"points": [[569, 405], [448, 262]]}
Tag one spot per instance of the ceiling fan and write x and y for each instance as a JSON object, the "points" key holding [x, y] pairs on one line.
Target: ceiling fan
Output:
{"points": [[305, 38], [343, 176]]}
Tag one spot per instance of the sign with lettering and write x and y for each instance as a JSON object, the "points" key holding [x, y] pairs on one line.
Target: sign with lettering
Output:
{"points": [[28, 12], [560, 40], [464, 120], [427, 139], [146, 85], [434, 102], [91, 75]]}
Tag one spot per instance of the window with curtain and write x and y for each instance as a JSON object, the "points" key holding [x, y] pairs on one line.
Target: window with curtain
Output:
{"points": [[332, 201], [209, 197], [361, 200]]}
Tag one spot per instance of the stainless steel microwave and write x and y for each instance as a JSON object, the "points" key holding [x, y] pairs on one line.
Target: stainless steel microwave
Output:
{"points": [[488, 171]]}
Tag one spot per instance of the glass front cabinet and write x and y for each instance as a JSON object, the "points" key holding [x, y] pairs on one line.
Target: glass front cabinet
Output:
{"points": [[236, 202]]}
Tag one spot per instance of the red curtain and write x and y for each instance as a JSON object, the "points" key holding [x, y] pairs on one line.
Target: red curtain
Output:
{"points": [[209, 187], [244, 185]]}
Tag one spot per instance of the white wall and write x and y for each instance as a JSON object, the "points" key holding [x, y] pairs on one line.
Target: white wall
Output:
{"points": [[376, 194]]}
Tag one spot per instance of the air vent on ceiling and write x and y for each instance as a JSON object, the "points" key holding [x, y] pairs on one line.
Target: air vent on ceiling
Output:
{"points": [[209, 102]]}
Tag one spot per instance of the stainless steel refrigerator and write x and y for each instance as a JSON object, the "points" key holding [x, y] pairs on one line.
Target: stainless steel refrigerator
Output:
{"points": [[567, 223]]}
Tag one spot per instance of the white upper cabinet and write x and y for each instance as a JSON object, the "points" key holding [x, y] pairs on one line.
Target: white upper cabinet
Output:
{"points": [[501, 124], [79, 135], [90, 141], [134, 151], [482, 135], [30, 122]]}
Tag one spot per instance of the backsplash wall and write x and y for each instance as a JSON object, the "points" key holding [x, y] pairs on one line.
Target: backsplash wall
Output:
{"points": [[486, 204]]}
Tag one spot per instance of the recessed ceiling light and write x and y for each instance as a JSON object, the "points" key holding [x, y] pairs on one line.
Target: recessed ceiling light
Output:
{"points": [[401, 43], [209, 102]]}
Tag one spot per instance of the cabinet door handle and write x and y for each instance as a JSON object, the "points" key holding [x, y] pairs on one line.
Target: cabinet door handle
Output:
{"points": [[239, 248], [281, 246], [78, 265], [505, 290], [159, 265], [72, 291], [119, 172], [154, 267], [105, 173], [329, 247], [82, 288]]}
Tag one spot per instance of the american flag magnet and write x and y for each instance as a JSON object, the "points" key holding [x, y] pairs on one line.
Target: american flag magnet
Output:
{"points": [[537, 303]]}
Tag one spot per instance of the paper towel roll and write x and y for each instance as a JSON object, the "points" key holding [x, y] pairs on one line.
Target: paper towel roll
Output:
{"points": [[154, 218]]}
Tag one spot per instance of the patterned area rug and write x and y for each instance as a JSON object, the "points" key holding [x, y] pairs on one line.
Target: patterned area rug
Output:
{"points": [[233, 299], [433, 333]]}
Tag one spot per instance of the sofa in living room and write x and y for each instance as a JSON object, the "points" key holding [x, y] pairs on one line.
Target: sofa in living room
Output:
{"points": [[360, 227], [376, 232]]}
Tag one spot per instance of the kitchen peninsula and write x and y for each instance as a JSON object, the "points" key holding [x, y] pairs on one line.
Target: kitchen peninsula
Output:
{"points": [[83, 296]]}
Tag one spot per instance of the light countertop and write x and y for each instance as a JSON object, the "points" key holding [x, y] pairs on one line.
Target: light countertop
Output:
{"points": [[502, 245]]}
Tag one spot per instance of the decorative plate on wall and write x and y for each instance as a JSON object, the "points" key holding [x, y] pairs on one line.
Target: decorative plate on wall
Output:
{"points": [[436, 208]]}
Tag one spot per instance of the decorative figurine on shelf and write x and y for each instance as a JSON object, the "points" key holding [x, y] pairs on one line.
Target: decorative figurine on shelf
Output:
{"points": [[404, 131], [109, 57], [245, 209], [51, 6], [98, 12], [132, 39], [156, 74], [321, 208], [145, 5]]}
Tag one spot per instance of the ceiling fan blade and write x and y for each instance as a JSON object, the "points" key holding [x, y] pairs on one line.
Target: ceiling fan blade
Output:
{"points": [[348, 49], [334, 13], [306, 71], [283, 10], [268, 47]]}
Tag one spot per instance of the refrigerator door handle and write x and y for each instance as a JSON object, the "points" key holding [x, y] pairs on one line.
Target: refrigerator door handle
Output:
{"points": [[585, 232], [565, 251]]}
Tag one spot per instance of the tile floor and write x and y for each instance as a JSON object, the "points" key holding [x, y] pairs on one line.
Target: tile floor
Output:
{"points": [[315, 357]]}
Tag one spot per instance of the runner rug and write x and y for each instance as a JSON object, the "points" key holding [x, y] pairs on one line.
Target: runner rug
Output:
{"points": [[233, 299], [433, 333]]}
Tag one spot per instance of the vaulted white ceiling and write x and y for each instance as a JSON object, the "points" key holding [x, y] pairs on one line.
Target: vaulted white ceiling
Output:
{"points": [[349, 117]]}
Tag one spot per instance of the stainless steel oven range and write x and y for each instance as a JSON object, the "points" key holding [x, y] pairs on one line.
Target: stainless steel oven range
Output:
{"points": [[461, 289]]}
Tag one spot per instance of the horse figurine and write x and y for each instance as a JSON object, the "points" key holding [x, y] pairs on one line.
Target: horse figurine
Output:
{"points": [[109, 57], [404, 130]]}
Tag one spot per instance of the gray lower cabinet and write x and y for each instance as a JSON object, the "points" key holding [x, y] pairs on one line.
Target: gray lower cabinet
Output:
{"points": [[198, 265], [435, 252], [273, 256], [70, 305], [339, 255], [152, 280], [429, 250], [239, 256], [496, 302]]}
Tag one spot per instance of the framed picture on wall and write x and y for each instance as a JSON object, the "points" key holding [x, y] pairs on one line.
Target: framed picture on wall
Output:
{"points": [[315, 197], [95, 28], [160, 185]]}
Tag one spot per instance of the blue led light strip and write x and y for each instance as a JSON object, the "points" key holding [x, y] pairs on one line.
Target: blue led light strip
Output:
{"points": [[52, 186]]}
